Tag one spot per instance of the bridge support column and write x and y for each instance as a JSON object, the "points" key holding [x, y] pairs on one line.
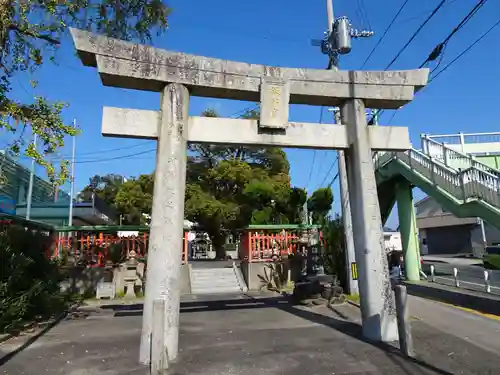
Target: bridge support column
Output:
{"points": [[165, 242], [408, 230]]}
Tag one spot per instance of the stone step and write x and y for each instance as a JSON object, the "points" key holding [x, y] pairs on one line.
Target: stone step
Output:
{"points": [[213, 279], [216, 290], [219, 285], [218, 282], [197, 273]]}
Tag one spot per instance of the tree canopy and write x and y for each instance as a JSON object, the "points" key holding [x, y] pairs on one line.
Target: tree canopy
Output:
{"points": [[319, 204], [228, 188], [30, 33]]}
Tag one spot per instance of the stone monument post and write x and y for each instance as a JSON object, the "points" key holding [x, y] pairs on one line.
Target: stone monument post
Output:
{"points": [[165, 241]]}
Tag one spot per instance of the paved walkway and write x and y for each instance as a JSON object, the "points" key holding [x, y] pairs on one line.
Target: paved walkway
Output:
{"points": [[243, 335]]}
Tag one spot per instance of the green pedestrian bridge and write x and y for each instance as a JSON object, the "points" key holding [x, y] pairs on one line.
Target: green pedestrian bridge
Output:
{"points": [[463, 184]]}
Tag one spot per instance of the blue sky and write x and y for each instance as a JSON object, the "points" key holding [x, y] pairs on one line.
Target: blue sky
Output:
{"points": [[278, 32]]}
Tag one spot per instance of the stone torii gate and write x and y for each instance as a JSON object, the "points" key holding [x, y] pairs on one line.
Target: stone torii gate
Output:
{"points": [[177, 76]]}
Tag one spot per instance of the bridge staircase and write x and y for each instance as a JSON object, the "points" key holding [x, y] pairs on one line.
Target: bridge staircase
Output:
{"points": [[463, 185]]}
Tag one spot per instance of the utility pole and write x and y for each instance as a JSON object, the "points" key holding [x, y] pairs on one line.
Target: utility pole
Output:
{"points": [[72, 182], [350, 257], [30, 186], [352, 282]]}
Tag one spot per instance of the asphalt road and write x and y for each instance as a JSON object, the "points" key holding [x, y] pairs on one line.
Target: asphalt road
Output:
{"points": [[470, 277]]}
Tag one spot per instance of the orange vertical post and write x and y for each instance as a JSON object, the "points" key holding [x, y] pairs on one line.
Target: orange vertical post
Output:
{"points": [[185, 249], [249, 244]]}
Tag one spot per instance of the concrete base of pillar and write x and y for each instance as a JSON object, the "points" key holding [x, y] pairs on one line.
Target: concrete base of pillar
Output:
{"points": [[251, 272]]}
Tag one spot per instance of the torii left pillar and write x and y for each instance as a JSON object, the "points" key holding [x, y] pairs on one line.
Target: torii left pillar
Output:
{"points": [[163, 274]]}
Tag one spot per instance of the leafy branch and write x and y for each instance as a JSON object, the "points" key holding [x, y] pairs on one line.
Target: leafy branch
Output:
{"points": [[30, 34]]}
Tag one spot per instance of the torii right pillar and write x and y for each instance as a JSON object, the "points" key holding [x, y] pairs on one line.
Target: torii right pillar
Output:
{"points": [[377, 304]]}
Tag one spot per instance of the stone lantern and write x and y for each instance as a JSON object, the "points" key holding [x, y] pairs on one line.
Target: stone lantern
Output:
{"points": [[130, 277]]}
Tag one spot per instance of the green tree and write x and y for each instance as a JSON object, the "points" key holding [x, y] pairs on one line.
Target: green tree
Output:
{"points": [[31, 31], [319, 204], [231, 187], [131, 198], [134, 199], [106, 187], [333, 251]]}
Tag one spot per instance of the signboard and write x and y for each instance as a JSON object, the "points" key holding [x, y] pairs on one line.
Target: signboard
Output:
{"points": [[128, 233], [274, 100], [354, 271], [7, 205]]}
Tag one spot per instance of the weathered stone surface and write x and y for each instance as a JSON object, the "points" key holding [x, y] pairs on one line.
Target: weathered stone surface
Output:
{"points": [[129, 65], [132, 123]]}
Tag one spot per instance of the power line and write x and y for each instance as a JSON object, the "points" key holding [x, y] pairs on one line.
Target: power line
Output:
{"points": [[329, 171], [436, 9], [104, 159], [465, 51], [363, 14], [116, 157], [415, 34], [427, 12], [385, 33], [439, 49], [314, 151], [109, 150], [333, 180]]}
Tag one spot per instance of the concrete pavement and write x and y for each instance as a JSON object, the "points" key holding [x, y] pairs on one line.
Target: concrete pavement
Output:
{"points": [[474, 328], [241, 335]]}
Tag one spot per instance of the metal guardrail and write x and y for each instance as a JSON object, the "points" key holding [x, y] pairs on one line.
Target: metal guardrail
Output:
{"points": [[474, 278], [468, 184], [453, 158], [464, 138]]}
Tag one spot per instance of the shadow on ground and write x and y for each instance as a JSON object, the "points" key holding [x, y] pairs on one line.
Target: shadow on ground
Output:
{"points": [[340, 324]]}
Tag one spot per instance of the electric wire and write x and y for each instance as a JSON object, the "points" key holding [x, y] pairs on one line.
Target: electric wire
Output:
{"points": [[315, 151], [439, 49], [438, 52], [384, 33], [481, 37], [415, 34], [329, 171]]}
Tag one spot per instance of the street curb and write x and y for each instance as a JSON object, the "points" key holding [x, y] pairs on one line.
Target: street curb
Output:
{"points": [[354, 304], [481, 302]]}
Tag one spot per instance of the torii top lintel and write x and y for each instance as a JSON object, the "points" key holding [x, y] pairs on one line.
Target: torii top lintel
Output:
{"points": [[129, 65]]}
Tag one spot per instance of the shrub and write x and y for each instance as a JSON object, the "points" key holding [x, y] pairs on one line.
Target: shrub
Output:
{"points": [[333, 249], [29, 281]]}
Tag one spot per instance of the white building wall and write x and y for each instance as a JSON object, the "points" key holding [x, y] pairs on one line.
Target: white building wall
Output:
{"points": [[392, 241]]}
